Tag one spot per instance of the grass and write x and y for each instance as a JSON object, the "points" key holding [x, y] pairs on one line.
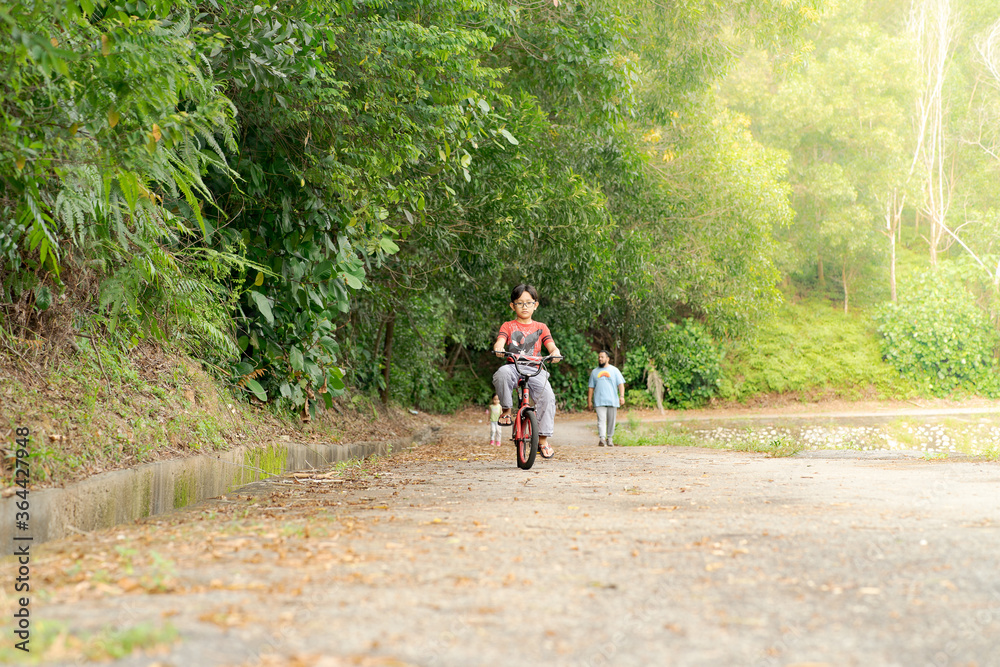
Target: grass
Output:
{"points": [[98, 409], [811, 348], [634, 434], [92, 408], [991, 453], [628, 438], [52, 641], [772, 447]]}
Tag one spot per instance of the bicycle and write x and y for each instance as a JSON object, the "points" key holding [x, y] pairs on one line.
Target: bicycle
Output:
{"points": [[524, 431]]}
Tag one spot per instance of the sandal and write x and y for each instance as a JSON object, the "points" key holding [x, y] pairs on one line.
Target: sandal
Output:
{"points": [[546, 451], [504, 420]]}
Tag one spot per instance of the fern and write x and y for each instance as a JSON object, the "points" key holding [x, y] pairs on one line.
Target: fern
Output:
{"points": [[72, 210], [31, 344], [252, 375], [11, 234]]}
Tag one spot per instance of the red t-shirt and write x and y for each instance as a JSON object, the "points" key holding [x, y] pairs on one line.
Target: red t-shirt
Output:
{"points": [[526, 338]]}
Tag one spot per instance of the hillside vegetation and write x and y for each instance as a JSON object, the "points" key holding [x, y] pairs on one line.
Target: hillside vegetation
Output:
{"points": [[812, 350], [323, 204]]}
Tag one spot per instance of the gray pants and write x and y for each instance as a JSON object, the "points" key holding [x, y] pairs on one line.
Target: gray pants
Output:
{"points": [[606, 421], [504, 381]]}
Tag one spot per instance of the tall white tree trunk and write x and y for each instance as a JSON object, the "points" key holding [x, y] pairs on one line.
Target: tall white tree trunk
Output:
{"points": [[989, 52], [932, 28], [893, 222], [846, 285], [892, 267]]}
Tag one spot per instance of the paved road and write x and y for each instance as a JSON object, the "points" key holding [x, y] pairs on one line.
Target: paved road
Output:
{"points": [[450, 555]]}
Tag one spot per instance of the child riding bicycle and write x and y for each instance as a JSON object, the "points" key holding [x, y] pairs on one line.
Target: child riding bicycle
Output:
{"points": [[524, 335]]}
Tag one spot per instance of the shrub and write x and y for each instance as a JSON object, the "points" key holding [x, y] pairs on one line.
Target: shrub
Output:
{"points": [[634, 368], [936, 331], [689, 362], [639, 398], [569, 378]]}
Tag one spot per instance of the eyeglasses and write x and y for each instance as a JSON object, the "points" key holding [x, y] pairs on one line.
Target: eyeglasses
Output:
{"points": [[524, 304]]}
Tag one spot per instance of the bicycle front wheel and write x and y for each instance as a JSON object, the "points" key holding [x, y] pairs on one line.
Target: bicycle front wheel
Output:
{"points": [[526, 441]]}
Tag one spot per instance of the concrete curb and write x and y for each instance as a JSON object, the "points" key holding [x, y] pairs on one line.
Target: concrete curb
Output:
{"points": [[121, 496]]}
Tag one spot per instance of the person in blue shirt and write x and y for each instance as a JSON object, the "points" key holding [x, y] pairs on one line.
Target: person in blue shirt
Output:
{"points": [[605, 393]]}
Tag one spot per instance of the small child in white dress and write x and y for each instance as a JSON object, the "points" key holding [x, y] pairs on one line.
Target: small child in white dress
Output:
{"points": [[494, 412]]}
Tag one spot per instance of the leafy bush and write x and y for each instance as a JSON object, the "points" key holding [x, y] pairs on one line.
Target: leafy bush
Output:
{"points": [[689, 361], [634, 368], [639, 398], [634, 372], [100, 172], [570, 376], [937, 331], [441, 394]]}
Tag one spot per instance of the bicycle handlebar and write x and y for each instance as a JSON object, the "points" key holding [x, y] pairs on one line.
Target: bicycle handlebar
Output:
{"points": [[521, 358]]}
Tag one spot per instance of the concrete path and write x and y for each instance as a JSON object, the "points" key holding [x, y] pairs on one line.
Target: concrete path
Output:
{"points": [[450, 555]]}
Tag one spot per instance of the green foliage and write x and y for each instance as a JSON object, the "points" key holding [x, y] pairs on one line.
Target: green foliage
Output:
{"points": [[329, 190], [688, 360], [578, 60], [698, 218], [843, 122], [732, 279], [350, 114], [569, 378], [811, 349], [937, 331], [617, 238], [80, 98], [420, 338], [639, 398], [634, 368], [463, 388], [53, 640], [110, 119], [636, 372]]}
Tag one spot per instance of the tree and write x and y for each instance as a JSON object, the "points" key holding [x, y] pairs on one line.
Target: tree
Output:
{"points": [[932, 27], [326, 186], [986, 133], [352, 116], [843, 120], [101, 171]]}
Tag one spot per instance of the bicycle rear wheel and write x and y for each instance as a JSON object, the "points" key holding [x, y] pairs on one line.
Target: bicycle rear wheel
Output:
{"points": [[526, 441]]}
